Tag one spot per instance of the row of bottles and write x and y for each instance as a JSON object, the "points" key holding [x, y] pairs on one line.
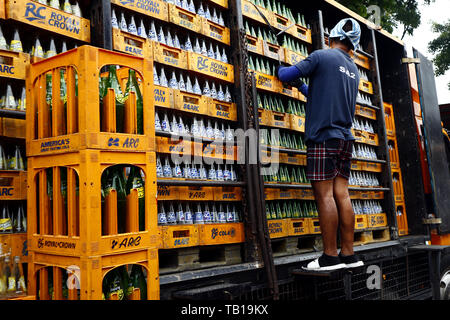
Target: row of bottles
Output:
{"points": [[257, 64], [12, 279], [193, 171], [285, 140], [179, 83], [285, 174], [291, 209], [13, 218], [64, 5], [114, 179], [364, 151], [121, 282], [202, 11], [279, 8], [270, 102], [8, 101], [132, 85], [287, 42], [219, 213], [13, 160], [366, 207], [36, 50], [363, 179], [364, 99], [197, 128], [363, 74], [169, 39], [362, 125]]}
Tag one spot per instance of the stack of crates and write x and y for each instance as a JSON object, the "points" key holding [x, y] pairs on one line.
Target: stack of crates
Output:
{"points": [[76, 228], [30, 30], [193, 85], [397, 180]]}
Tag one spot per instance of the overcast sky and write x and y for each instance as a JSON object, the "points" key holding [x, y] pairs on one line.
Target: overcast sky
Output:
{"points": [[438, 12]]}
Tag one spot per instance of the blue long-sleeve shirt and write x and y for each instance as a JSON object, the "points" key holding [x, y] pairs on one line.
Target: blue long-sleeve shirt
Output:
{"points": [[288, 74], [332, 91]]}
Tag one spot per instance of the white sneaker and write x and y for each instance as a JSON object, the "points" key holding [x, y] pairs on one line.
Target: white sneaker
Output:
{"points": [[325, 263]]}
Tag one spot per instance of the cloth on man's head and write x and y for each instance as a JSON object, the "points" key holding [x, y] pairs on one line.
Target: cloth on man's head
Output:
{"points": [[353, 35]]}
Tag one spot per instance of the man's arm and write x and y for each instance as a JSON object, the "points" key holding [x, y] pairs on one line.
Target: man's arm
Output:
{"points": [[302, 69]]}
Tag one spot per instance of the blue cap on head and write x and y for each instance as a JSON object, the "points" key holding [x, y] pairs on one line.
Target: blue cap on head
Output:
{"points": [[353, 35]]}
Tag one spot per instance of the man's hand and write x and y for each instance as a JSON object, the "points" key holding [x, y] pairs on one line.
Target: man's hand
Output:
{"points": [[296, 83]]}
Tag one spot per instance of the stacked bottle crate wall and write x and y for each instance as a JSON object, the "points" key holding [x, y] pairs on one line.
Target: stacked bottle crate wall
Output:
{"points": [[199, 193], [91, 176], [25, 36], [290, 207]]}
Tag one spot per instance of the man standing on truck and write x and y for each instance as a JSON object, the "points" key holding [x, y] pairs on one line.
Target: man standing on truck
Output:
{"points": [[332, 91]]}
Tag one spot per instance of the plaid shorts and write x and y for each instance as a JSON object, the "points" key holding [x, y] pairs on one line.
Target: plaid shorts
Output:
{"points": [[328, 159]]}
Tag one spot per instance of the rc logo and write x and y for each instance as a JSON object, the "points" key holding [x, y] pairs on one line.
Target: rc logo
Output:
{"points": [[34, 14], [127, 2], [113, 142], [201, 63]]}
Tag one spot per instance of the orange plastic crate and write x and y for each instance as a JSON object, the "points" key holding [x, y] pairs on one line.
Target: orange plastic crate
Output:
{"points": [[215, 31], [298, 226], [77, 226], [221, 233], [180, 236], [254, 44], [402, 220], [13, 185], [278, 228], [397, 182], [131, 44], [155, 8], [393, 153], [45, 17], [86, 273], [14, 64], [389, 119], [78, 127]]}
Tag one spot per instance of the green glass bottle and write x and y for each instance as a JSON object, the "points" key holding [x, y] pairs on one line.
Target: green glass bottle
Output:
{"points": [[268, 214], [135, 181], [137, 280], [259, 101], [133, 86], [116, 182], [112, 284], [251, 65], [273, 211], [279, 213], [294, 176], [48, 98], [284, 211], [259, 34], [289, 110], [289, 213]]}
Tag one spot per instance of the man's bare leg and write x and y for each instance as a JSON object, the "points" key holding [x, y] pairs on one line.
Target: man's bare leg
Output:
{"points": [[346, 215], [328, 215]]}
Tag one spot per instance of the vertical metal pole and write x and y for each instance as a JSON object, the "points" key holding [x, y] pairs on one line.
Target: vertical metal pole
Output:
{"points": [[263, 230], [239, 59], [101, 29]]}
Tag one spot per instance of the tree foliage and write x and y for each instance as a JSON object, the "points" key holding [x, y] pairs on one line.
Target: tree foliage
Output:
{"points": [[394, 13], [441, 48]]}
